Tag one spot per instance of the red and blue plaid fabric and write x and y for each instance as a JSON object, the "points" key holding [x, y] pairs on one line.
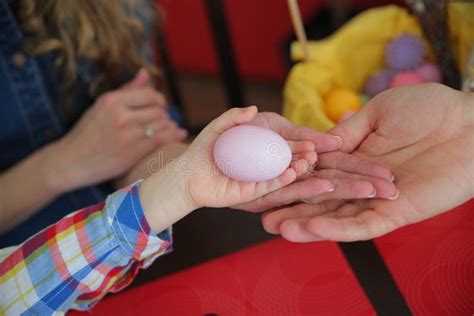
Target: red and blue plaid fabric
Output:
{"points": [[75, 262]]}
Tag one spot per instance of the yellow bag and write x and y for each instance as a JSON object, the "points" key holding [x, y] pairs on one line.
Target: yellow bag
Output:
{"points": [[345, 59]]}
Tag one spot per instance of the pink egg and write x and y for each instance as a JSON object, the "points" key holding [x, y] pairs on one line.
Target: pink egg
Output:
{"points": [[406, 78], [251, 154], [429, 72]]}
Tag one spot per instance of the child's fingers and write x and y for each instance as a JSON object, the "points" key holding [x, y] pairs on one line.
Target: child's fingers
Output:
{"points": [[310, 156], [231, 118], [301, 166], [287, 177], [353, 164], [300, 146]]}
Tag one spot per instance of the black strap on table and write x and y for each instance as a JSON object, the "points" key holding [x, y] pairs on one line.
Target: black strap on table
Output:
{"points": [[224, 50], [374, 277]]}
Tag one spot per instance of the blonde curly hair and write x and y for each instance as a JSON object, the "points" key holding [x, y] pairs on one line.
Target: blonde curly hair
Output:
{"points": [[108, 33]]}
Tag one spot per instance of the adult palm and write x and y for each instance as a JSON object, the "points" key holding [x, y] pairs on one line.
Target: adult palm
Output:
{"points": [[425, 135]]}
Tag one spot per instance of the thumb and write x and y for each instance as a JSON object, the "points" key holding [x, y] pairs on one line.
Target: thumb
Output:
{"points": [[353, 130], [141, 79], [231, 118]]}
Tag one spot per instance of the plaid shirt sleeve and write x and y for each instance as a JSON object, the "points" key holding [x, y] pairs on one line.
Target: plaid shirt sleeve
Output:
{"points": [[75, 262]]}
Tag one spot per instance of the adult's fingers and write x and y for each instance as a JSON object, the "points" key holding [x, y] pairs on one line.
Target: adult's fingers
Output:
{"points": [[273, 219], [345, 189], [364, 225], [169, 133], [295, 229], [353, 164], [148, 114], [289, 194], [383, 188], [354, 129], [134, 97], [323, 142], [163, 133], [141, 78]]}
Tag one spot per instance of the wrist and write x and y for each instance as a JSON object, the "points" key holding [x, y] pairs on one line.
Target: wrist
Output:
{"points": [[164, 197], [59, 170]]}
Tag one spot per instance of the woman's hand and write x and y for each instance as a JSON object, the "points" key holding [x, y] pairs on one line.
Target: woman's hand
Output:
{"points": [[425, 135], [193, 180], [106, 142], [337, 175], [111, 136]]}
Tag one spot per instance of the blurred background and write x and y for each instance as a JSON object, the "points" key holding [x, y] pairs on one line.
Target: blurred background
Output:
{"points": [[259, 34]]}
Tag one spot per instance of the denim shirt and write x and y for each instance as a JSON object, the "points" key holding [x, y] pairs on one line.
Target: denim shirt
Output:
{"points": [[29, 121]]}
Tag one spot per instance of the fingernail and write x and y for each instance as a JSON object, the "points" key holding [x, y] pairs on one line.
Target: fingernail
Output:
{"points": [[392, 178], [339, 140], [248, 108], [331, 188], [397, 194], [373, 194]]}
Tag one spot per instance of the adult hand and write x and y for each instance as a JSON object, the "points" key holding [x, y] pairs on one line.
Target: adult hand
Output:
{"points": [[110, 137], [425, 135], [337, 175]]}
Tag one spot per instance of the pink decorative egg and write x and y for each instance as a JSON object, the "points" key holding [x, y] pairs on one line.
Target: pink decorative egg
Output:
{"points": [[251, 154], [429, 72], [406, 78]]}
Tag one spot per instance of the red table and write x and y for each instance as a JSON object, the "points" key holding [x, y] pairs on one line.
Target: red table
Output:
{"points": [[432, 263]]}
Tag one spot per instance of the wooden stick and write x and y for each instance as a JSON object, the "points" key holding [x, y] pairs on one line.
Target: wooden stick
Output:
{"points": [[298, 26]]}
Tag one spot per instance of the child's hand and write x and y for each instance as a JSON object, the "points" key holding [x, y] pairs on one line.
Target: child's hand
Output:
{"points": [[193, 180], [207, 186]]}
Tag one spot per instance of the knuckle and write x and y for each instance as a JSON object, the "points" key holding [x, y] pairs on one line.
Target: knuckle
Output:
{"points": [[152, 95], [361, 188], [161, 98], [107, 99], [119, 118], [268, 224], [123, 138], [272, 115]]}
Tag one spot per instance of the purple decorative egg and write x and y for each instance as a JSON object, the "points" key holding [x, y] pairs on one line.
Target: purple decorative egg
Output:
{"points": [[379, 82], [251, 154], [405, 52], [429, 72], [406, 78]]}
